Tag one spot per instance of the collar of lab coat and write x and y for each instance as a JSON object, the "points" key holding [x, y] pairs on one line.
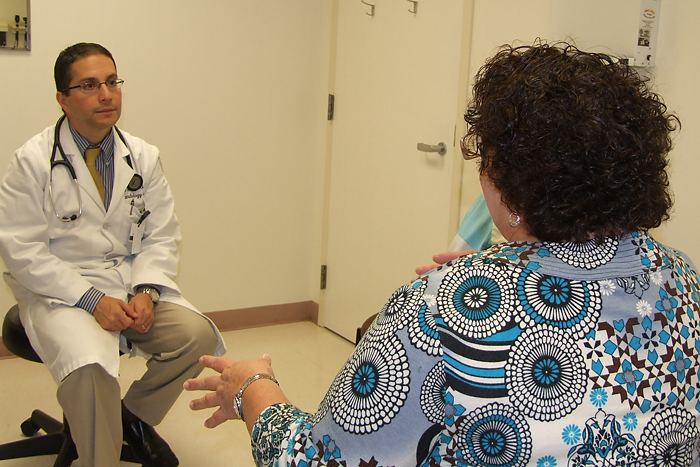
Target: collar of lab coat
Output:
{"points": [[122, 171]]}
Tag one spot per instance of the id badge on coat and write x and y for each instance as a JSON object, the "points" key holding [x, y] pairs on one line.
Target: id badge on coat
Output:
{"points": [[135, 192], [135, 236]]}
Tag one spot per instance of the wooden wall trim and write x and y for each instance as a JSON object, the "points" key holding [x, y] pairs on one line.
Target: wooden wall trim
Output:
{"points": [[244, 318], [257, 316], [4, 353]]}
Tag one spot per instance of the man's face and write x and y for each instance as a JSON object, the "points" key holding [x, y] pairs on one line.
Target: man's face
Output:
{"points": [[92, 114]]}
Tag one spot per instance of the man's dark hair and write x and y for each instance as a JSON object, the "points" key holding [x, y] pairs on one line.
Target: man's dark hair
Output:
{"points": [[575, 142], [61, 70]]}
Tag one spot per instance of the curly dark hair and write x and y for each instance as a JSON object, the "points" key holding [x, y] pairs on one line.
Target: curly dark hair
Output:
{"points": [[576, 142]]}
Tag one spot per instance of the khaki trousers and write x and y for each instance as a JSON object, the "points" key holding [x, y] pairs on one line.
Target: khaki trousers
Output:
{"points": [[91, 398]]}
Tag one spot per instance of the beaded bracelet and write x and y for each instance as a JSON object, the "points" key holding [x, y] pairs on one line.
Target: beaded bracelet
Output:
{"points": [[238, 398]]}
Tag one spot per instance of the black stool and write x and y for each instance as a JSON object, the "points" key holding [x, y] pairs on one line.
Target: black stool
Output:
{"points": [[363, 329], [57, 439]]}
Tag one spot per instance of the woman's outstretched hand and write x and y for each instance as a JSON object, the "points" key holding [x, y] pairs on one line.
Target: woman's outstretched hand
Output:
{"points": [[225, 385]]}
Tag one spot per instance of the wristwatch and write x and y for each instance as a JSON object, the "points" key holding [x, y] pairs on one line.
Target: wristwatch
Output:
{"points": [[151, 291]]}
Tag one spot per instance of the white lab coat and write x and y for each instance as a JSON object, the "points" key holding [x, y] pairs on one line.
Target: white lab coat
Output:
{"points": [[53, 263]]}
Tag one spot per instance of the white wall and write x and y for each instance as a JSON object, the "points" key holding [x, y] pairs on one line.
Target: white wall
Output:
{"points": [[233, 93], [677, 75], [597, 25]]}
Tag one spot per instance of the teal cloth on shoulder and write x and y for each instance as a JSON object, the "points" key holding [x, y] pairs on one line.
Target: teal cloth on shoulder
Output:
{"points": [[476, 225]]}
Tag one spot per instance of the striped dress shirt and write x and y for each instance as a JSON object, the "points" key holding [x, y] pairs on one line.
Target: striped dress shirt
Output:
{"points": [[105, 166]]}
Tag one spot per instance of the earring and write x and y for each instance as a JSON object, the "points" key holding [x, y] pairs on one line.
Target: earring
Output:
{"points": [[514, 219]]}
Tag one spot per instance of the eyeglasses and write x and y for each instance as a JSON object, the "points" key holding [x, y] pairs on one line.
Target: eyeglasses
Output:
{"points": [[467, 153], [91, 86]]}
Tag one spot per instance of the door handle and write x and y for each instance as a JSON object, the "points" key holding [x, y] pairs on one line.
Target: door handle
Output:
{"points": [[439, 148]]}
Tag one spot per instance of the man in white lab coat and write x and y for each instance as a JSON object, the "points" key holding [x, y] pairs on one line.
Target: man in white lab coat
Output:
{"points": [[89, 235]]}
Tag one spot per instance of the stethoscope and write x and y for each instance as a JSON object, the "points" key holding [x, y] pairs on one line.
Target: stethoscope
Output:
{"points": [[135, 183]]}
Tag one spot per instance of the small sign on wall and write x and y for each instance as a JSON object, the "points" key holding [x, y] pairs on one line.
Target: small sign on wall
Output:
{"points": [[648, 32]]}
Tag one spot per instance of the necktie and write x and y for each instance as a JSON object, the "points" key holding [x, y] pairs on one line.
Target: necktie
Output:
{"points": [[90, 158]]}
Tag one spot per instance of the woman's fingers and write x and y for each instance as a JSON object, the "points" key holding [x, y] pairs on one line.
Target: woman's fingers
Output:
{"points": [[205, 383]]}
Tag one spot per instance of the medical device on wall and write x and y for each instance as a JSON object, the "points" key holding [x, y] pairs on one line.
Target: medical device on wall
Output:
{"points": [[15, 25], [626, 29], [648, 33], [16, 31]]}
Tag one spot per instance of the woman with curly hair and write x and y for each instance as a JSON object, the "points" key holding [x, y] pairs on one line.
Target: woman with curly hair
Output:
{"points": [[575, 143], [575, 342]]}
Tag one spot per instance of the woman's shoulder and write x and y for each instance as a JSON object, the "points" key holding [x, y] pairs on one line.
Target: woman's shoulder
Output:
{"points": [[633, 254]]}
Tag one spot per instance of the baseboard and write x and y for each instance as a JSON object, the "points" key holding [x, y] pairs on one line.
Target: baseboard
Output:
{"points": [[244, 318], [257, 316]]}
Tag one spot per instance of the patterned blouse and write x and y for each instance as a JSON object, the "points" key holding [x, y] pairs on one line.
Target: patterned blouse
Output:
{"points": [[525, 354]]}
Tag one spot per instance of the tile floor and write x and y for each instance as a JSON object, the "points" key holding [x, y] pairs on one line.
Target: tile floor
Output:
{"points": [[306, 358]]}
